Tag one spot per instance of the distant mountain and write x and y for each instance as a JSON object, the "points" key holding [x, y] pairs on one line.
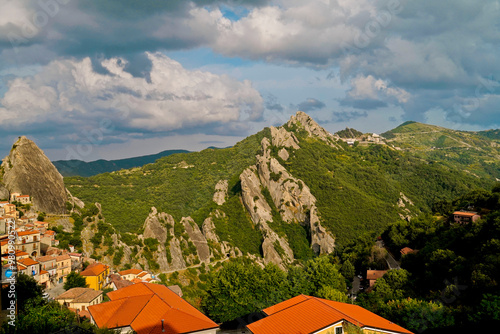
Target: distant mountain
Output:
{"points": [[86, 169], [349, 133]]}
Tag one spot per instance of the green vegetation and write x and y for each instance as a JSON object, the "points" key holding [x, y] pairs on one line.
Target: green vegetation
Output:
{"points": [[357, 190], [75, 280], [170, 184], [241, 287], [453, 279], [37, 316]]}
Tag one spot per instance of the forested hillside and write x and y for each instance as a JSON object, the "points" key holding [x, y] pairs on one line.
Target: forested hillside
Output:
{"points": [[357, 190]]}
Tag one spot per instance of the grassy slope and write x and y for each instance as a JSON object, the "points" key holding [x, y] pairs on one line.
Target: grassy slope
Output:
{"points": [[127, 196]]}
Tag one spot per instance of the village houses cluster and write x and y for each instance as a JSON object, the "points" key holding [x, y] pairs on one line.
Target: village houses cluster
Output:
{"points": [[34, 249]]}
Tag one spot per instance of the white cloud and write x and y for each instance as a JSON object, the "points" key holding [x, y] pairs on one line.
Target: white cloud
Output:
{"points": [[72, 92], [376, 89]]}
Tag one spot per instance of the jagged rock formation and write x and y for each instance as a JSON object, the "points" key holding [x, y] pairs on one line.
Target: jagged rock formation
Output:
{"points": [[199, 240], [220, 192], [283, 138], [161, 226], [290, 196], [28, 171], [302, 120]]}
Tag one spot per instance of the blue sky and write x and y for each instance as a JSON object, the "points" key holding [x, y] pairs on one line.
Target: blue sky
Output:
{"points": [[93, 79]]}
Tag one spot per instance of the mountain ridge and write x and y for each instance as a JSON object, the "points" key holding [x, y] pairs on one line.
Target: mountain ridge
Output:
{"points": [[91, 168], [263, 212]]}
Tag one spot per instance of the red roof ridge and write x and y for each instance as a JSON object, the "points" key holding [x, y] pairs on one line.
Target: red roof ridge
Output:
{"points": [[347, 317]]}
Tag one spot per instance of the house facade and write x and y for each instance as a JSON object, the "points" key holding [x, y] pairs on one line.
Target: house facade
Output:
{"points": [[96, 275], [465, 217], [63, 263], [80, 298], [29, 242]]}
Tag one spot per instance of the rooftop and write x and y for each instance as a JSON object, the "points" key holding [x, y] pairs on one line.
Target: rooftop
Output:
{"points": [[130, 271], [142, 306], [80, 295], [375, 274], [304, 314], [465, 214], [94, 269]]}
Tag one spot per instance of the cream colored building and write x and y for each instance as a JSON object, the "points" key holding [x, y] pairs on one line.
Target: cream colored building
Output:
{"points": [[80, 298]]}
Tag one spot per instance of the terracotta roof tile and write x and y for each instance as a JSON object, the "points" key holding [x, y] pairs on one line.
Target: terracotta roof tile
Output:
{"points": [[465, 214], [27, 261], [95, 269], [62, 257], [46, 258], [143, 305], [27, 233], [375, 274], [130, 271], [74, 293], [304, 314]]}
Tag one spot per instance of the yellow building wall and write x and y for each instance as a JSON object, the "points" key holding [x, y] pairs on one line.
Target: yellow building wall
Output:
{"points": [[93, 282]]}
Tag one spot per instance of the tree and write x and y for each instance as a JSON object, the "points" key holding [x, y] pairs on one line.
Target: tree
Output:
{"points": [[27, 290], [321, 272], [393, 285], [417, 315], [75, 280], [347, 270], [327, 292]]}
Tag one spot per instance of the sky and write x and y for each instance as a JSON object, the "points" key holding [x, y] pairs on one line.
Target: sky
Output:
{"points": [[112, 79]]}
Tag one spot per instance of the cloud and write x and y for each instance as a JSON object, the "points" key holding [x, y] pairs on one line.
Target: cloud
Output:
{"points": [[426, 53], [310, 104], [347, 116], [71, 99], [370, 93]]}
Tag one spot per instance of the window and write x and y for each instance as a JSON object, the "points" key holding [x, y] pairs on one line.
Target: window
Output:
{"points": [[339, 330]]}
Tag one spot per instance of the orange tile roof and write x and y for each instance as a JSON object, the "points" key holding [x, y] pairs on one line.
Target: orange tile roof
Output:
{"points": [[130, 271], [142, 274], [27, 261], [304, 314], [375, 274], [43, 272], [406, 250], [136, 280], [62, 257], [465, 214], [46, 258], [27, 233], [142, 306], [95, 269]]}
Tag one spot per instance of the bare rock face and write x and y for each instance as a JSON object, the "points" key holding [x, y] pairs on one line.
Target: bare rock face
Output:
{"points": [[153, 228], [283, 138], [208, 228], [291, 197], [304, 121], [4, 192], [28, 171], [220, 192], [197, 238]]}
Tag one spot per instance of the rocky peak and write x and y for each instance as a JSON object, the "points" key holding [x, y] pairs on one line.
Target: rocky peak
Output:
{"points": [[28, 171], [304, 121]]}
